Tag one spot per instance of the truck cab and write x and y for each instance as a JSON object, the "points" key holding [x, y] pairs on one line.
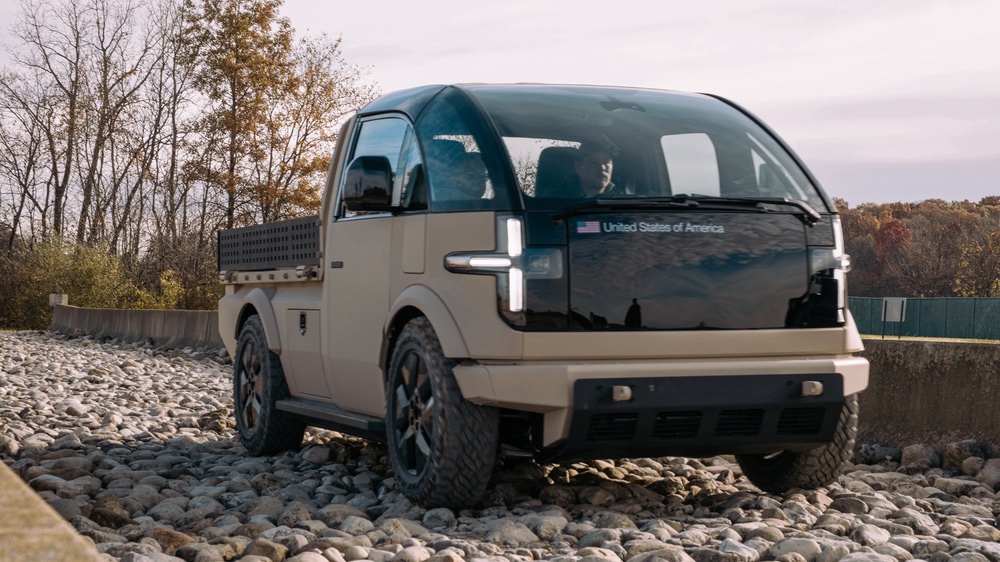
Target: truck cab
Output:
{"points": [[561, 271]]}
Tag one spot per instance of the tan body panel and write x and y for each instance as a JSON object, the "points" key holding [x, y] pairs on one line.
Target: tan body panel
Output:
{"points": [[279, 306], [232, 305], [470, 299], [674, 345], [356, 300]]}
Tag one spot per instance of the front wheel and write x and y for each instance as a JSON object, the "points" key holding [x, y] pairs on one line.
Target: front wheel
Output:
{"points": [[784, 470], [258, 384], [441, 446]]}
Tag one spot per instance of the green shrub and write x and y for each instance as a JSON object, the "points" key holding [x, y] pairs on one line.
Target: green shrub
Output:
{"points": [[91, 276]]}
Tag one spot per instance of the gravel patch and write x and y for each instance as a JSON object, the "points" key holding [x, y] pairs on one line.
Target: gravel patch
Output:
{"points": [[135, 447]]}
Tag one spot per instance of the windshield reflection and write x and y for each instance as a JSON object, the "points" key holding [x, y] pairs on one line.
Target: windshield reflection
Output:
{"points": [[648, 143], [691, 271]]}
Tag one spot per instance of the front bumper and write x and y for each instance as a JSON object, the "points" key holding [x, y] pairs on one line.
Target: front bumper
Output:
{"points": [[690, 407]]}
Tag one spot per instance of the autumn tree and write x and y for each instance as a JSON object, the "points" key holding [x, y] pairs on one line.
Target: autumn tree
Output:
{"points": [[52, 37], [931, 259], [138, 129], [891, 240], [242, 50], [932, 248], [25, 116], [121, 55], [860, 229], [274, 106], [305, 108], [74, 145], [978, 272]]}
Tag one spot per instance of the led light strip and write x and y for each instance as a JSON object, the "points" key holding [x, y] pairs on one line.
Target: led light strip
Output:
{"points": [[498, 264]]}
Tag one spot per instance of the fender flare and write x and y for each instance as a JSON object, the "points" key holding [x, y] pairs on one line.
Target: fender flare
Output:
{"points": [[260, 299], [433, 307]]}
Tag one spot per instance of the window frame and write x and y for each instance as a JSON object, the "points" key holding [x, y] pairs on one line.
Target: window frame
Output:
{"points": [[339, 212]]}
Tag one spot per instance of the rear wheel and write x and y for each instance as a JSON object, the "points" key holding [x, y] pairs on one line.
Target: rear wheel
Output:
{"points": [[814, 468], [441, 446], [258, 384]]}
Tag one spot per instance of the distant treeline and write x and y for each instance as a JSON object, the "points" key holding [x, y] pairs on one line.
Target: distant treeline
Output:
{"points": [[932, 248]]}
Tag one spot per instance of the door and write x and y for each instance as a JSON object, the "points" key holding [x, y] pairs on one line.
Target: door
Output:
{"points": [[357, 279]]}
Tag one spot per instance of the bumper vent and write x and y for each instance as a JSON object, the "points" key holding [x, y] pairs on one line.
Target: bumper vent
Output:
{"points": [[685, 425], [800, 421], [676, 425], [612, 427], [740, 414], [739, 423]]}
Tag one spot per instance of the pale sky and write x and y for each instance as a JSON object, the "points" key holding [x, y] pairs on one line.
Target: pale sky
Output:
{"points": [[885, 100], [894, 100]]}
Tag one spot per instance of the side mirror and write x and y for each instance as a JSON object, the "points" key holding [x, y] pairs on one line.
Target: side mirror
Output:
{"points": [[368, 185]]}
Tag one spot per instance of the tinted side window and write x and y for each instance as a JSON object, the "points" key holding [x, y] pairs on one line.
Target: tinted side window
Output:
{"points": [[460, 176], [692, 165], [413, 190], [699, 164], [380, 137]]}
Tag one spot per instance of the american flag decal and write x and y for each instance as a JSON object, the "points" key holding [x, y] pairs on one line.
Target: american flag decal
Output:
{"points": [[588, 227]]}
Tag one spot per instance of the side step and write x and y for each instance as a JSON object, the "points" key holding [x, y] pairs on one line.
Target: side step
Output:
{"points": [[331, 417]]}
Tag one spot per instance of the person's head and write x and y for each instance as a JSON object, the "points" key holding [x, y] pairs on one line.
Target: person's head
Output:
{"points": [[593, 165]]}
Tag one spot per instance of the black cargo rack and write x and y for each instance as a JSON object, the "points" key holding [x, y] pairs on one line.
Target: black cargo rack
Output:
{"points": [[288, 243]]}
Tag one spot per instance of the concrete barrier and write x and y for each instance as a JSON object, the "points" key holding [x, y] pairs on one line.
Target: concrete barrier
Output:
{"points": [[930, 392], [166, 328]]}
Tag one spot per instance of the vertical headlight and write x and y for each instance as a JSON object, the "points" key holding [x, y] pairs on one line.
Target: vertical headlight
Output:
{"points": [[512, 263], [829, 267]]}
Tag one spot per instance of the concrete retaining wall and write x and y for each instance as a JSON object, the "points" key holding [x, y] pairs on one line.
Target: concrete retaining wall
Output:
{"points": [[167, 328], [930, 392], [919, 392]]}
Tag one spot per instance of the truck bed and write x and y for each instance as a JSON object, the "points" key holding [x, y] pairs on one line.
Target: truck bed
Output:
{"points": [[273, 245]]}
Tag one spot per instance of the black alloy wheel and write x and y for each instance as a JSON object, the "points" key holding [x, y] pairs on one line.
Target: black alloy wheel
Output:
{"points": [[442, 447], [258, 384], [413, 419]]}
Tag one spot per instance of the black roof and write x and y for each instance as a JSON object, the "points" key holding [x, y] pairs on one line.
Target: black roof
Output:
{"points": [[412, 100]]}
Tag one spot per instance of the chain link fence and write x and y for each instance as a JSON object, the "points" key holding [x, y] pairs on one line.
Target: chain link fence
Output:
{"points": [[965, 318]]}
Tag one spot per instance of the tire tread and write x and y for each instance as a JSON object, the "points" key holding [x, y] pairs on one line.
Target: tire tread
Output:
{"points": [[814, 468], [276, 431], [464, 450]]}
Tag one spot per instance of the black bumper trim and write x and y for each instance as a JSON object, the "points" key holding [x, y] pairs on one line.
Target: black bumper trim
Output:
{"points": [[704, 415]]}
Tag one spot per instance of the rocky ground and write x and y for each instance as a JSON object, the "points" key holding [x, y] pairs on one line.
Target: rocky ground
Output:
{"points": [[135, 447]]}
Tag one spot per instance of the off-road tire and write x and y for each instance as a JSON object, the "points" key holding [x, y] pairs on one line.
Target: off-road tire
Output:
{"points": [[442, 447], [258, 384], [814, 468]]}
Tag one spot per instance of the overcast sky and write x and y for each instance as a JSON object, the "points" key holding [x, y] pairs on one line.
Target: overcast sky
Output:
{"points": [[885, 100]]}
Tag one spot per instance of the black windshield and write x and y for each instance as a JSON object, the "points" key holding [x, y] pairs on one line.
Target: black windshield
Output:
{"points": [[650, 143]]}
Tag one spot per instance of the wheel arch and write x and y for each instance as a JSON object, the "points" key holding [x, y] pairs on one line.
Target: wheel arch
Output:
{"points": [[419, 300], [259, 302]]}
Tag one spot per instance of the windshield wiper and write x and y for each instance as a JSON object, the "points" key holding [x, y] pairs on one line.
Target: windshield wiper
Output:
{"points": [[615, 203], [809, 215]]}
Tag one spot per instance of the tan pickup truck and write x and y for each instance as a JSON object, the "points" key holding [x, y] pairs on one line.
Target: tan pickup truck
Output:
{"points": [[558, 271]]}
